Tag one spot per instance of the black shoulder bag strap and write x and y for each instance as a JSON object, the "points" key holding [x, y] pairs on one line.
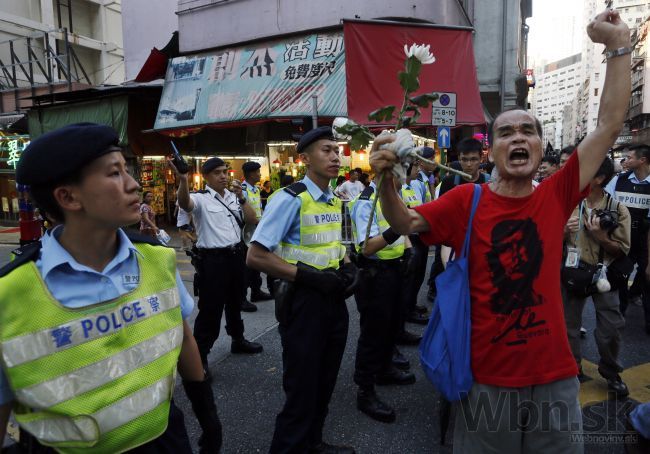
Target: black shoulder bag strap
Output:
{"points": [[240, 221]]}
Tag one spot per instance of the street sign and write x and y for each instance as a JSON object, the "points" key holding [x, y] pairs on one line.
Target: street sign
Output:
{"points": [[444, 110], [443, 137]]}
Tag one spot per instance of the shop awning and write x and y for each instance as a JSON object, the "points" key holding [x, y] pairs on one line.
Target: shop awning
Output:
{"points": [[375, 54]]}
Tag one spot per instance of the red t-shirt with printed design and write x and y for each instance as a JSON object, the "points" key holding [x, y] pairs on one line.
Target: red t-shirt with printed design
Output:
{"points": [[518, 330]]}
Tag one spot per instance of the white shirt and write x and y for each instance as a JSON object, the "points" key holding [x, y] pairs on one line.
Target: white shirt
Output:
{"points": [[350, 190], [183, 217], [216, 227]]}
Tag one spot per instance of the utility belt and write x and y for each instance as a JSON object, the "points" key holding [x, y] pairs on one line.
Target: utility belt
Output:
{"points": [[233, 249], [377, 264]]}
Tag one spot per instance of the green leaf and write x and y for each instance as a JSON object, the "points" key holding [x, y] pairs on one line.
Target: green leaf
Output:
{"points": [[409, 82], [382, 114], [420, 100], [406, 122], [432, 96]]}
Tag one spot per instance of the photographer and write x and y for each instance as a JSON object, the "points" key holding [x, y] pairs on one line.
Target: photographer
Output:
{"points": [[598, 232]]}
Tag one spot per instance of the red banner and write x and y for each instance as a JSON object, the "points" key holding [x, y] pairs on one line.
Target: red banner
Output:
{"points": [[375, 54]]}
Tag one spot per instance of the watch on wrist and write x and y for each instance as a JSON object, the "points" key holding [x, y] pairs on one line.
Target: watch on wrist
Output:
{"points": [[618, 52]]}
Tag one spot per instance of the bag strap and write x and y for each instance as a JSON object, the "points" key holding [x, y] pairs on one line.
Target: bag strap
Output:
{"points": [[475, 200], [240, 222]]}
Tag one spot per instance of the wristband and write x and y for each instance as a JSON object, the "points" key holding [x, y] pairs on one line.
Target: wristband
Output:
{"points": [[618, 52], [390, 236]]}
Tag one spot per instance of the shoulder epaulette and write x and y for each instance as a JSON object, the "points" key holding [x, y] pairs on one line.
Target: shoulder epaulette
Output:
{"points": [[137, 237], [295, 189], [22, 255], [367, 193]]}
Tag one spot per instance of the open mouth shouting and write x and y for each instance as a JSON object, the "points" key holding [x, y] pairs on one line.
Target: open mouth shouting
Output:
{"points": [[518, 156]]}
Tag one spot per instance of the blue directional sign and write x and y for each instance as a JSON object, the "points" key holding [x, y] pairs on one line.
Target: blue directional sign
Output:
{"points": [[444, 137]]}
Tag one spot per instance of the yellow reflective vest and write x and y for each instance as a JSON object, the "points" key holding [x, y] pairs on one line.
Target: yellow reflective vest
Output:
{"points": [[99, 378], [391, 251], [320, 232], [253, 197], [409, 196]]}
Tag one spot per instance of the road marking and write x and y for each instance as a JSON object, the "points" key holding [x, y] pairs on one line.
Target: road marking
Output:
{"points": [[636, 378]]}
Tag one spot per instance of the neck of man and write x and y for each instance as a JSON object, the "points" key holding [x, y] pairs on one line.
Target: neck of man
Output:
{"points": [[251, 183], [321, 181], [474, 176], [595, 196], [512, 187], [642, 172], [91, 245], [222, 193]]}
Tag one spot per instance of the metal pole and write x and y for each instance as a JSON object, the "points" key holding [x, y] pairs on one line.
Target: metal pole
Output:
{"points": [[314, 111], [67, 58]]}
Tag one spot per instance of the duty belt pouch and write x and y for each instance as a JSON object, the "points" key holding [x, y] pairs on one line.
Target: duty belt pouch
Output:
{"points": [[283, 292]]}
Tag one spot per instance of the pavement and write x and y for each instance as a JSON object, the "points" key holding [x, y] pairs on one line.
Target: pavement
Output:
{"points": [[248, 389]]}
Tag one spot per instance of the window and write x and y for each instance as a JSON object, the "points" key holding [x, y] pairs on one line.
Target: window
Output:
{"points": [[595, 92], [638, 20], [596, 77]]}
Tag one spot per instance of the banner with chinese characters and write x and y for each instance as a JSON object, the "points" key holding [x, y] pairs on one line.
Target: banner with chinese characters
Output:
{"points": [[274, 79]]}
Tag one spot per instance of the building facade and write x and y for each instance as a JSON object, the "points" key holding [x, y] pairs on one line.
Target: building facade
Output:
{"points": [[556, 86]]}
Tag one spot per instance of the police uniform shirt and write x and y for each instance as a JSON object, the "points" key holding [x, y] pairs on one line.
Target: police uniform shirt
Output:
{"points": [[254, 189], [413, 186], [75, 285], [216, 226], [421, 186], [611, 190], [281, 219], [361, 215]]}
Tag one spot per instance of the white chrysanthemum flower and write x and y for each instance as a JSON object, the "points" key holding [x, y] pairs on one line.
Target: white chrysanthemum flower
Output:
{"points": [[339, 122], [421, 52]]}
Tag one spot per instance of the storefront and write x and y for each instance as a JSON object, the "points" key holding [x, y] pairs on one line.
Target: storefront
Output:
{"points": [[11, 146], [255, 91]]}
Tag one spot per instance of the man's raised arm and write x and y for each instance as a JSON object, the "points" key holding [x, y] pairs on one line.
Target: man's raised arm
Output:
{"points": [[609, 29], [400, 218]]}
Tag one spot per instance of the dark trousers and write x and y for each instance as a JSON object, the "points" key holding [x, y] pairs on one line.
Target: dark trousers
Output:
{"points": [[222, 284], [174, 440], [641, 286], [436, 267], [414, 280], [313, 342], [253, 280], [378, 303]]}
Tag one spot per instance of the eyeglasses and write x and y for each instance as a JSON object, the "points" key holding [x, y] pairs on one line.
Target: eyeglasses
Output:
{"points": [[470, 159]]}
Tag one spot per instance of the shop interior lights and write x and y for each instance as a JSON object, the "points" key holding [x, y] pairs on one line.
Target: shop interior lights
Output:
{"points": [[276, 163]]}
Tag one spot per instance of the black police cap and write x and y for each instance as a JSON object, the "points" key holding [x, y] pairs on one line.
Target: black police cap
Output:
{"points": [[250, 166], [211, 164], [59, 153], [324, 132]]}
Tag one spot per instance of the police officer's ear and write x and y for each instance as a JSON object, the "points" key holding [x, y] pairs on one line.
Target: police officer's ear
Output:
{"points": [[67, 197], [304, 157]]}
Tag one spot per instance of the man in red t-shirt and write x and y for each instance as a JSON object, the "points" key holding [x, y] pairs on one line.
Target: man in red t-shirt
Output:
{"points": [[521, 361]]}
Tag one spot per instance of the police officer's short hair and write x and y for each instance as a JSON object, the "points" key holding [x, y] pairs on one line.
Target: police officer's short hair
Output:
{"points": [[641, 150]]}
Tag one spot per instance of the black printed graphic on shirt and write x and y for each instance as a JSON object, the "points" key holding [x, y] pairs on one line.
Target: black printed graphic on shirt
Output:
{"points": [[515, 261]]}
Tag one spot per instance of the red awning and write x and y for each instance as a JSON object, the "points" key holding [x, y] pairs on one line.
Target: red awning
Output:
{"points": [[375, 54]]}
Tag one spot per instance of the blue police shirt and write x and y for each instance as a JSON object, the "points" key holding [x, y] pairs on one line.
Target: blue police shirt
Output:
{"points": [[611, 186], [361, 215], [281, 219], [75, 285], [419, 186], [640, 419]]}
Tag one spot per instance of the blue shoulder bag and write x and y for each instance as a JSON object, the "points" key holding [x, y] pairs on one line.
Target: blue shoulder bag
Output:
{"points": [[445, 347]]}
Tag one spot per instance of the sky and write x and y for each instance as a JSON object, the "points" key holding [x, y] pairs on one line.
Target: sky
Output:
{"points": [[556, 30]]}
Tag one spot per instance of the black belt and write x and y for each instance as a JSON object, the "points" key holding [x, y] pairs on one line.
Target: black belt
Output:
{"points": [[228, 250]]}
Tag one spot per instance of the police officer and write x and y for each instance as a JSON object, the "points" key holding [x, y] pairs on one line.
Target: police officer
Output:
{"points": [[91, 320], [299, 241], [251, 193], [416, 313], [378, 302], [632, 189], [219, 215]]}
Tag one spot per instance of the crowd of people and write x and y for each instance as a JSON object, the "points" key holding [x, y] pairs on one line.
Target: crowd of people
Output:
{"points": [[89, 355]]}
